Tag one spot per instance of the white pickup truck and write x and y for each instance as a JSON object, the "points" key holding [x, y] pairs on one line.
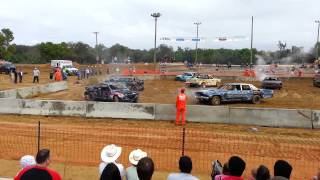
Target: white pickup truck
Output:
{"points": [[67, 64]]}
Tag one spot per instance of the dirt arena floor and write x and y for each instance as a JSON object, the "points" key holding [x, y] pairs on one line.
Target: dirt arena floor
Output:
{"points": [[77, 142], [296, 93]]}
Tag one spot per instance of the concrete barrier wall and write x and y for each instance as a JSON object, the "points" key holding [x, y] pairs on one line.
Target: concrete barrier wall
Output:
{"points": [[316, 119], [300, 118], [12, 93], [195, 113], [53, 107], [10, 106], [271, 117], [120, 110], [34, 90]]}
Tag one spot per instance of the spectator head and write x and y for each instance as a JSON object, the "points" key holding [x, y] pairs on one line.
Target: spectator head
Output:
{"points": [[43, 157], [225, 169], [136, 155], [145, 168], [111, 171], [182, 90], [316, 177], [282, 168], [110, 153], [27, 160], [262, 173], [185, 164], [236, 166]]}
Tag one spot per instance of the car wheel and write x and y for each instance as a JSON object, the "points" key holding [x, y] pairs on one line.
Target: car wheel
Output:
{"points": [[203, 85], [86, 97], [216, 100], [256, 99], [134, 88], [89, 97], [115, 99]]}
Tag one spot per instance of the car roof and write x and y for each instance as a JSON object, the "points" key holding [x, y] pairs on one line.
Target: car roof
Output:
{"points": [[237, 84]]}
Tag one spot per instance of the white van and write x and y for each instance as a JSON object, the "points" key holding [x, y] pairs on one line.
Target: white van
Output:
{"points": [[65, 64]]}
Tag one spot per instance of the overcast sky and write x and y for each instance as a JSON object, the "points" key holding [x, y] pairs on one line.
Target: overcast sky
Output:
{"points": [[129, 23]]}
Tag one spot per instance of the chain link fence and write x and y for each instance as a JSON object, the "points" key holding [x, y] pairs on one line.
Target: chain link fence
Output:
{"points": [[81, 145]]}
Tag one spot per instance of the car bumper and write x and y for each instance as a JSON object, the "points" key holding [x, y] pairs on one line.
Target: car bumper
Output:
{"points": [[202, 98], [129, 99], [267, 96], [191, 84], [271, 86], [316, 83]]}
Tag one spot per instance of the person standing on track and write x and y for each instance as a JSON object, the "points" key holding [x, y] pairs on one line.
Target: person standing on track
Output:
{"points": [[36, 74], [181, 102]]}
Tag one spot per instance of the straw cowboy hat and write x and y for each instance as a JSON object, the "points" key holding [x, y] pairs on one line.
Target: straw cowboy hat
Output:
{"points": [[27, 160], [136, 155], [110, 153]]}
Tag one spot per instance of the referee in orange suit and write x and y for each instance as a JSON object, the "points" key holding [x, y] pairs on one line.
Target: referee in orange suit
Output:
{"points": [[181, 102]]}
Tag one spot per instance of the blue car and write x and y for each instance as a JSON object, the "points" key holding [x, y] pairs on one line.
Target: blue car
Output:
{"points": [[183, 77], [233, 92]]}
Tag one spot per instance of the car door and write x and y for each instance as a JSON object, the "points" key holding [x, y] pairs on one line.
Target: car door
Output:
{"points": [[246, 92], [105, 91], [234, 93], [212, 81], [108, 94]]}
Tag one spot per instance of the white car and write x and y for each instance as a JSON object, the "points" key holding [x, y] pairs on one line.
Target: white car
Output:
{"points": [[71, 70], [203, 81]]}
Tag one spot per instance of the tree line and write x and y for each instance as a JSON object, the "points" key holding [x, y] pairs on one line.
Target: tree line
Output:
{"points": [[85, 54]]}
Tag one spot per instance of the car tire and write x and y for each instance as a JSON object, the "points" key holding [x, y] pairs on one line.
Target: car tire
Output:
{"points": [[115, 99], [215, 100], [256, 99], [89, 97], [134, 88]]}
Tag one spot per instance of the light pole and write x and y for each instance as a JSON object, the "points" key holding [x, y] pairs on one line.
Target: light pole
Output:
{"points": [[317, 50], [156, 16], [97, 55], [197, 24], [251, 53]]}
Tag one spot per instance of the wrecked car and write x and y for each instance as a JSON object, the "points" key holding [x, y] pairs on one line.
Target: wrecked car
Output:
{"points": [[203, 81], [232, 92], [111, 92], [271, 83], [132, 83]]}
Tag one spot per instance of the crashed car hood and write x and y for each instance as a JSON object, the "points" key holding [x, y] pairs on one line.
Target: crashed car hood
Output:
{"points": [[72, 69], [125, 91]]}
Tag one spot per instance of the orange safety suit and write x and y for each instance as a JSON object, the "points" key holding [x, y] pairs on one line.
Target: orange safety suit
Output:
{"points": [[181, 108], [58, 75]]}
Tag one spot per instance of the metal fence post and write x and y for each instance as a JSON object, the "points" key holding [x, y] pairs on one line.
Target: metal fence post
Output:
{"points": [[183, 139], [38, 136]]}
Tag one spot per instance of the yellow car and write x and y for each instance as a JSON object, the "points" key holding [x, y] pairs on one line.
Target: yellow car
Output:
{"points": [[203, 81]]}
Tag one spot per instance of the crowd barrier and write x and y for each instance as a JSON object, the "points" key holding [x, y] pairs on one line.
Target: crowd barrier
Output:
{"points": [[297, 118], [34, 90]]}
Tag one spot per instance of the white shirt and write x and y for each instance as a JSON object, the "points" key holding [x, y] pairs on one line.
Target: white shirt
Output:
{"points": [[181, 176], [120, 167], [36, 72], [132, 173]]}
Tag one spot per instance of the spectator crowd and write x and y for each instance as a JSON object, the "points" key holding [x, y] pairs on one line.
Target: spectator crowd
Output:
{"points": [[142, 168]]}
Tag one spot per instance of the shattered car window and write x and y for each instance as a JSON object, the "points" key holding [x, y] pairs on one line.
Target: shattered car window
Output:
{"points": [[117, 86]]}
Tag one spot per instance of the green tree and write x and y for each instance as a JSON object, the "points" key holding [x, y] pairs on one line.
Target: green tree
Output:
{"points": [[49, 51], [82, 53], [6, 48]]}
